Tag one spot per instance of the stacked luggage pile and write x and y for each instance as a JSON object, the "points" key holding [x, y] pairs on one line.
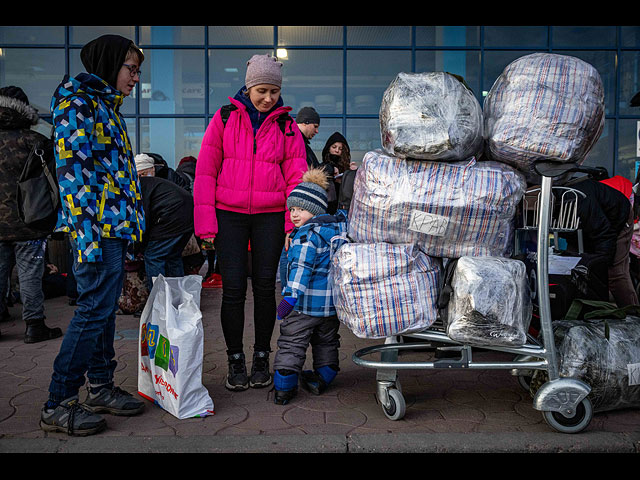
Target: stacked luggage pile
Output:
{"points": [[435, 207]]}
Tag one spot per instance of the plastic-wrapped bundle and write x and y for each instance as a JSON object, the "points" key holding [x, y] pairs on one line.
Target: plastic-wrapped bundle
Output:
{"points": [[610, 367], [449, 209], [491, 303], [381, 290], [543, 106], [430, 116]]}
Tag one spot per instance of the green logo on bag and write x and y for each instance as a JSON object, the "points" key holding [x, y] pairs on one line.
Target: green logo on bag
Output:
{"points": [[158, 348]]}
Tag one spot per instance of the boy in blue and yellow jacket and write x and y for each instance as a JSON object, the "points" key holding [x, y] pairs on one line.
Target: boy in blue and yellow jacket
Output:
{"points": [[307, 311], [102, 210]]}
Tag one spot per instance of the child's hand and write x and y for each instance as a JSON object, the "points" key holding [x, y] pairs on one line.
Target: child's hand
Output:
{"points": [[287, 242], [285, 307]]}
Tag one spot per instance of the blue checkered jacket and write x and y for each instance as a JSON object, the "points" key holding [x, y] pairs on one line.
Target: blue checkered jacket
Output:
{"points": [[309, 262], [96, 173]]}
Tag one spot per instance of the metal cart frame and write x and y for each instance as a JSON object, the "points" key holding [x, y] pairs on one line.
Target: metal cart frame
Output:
{"points": [[563, 401]]}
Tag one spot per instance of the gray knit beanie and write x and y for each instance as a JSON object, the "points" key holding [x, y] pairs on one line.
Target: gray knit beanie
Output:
{"points": [[263, 69], [311, 194]]}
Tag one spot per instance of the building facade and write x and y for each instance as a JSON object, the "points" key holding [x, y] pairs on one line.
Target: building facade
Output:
{"points": [[342, 71]]}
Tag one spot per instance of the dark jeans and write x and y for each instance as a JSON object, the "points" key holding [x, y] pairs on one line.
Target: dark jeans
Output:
{"points": [[266, 233], [87, 346], [164, 257], [29, 259]]}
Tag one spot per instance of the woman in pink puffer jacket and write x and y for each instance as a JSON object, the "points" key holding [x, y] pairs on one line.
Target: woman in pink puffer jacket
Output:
{"points": [[246, 168]]}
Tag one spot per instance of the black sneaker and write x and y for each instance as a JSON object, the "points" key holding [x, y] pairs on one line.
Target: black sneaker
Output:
{"points": [[237, 378], [260, 375], [71, 417], [115, 401]]}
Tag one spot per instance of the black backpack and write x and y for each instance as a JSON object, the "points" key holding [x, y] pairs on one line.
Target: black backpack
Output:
{"points": [[282, 119], [38, 195]]}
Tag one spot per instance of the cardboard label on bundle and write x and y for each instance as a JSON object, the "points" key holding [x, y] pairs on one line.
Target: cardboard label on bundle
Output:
{"points": [[428, 223], [634, 373]]}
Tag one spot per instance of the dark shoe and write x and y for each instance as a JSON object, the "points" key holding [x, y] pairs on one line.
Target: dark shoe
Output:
{"points": [[237, 378], [71, 417], [285, 383], [115, 401], [40, 333], [282, 397], [260, 375], [317, 381]]}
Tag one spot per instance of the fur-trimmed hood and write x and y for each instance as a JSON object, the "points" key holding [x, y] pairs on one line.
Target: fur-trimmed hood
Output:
{"points": [[15, 114]]}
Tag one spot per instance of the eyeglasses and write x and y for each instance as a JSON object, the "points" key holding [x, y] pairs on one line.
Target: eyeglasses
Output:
{"points": [[133, 70]]}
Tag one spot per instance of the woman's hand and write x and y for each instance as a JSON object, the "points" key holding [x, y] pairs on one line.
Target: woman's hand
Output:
{"points": [[207, 243]]}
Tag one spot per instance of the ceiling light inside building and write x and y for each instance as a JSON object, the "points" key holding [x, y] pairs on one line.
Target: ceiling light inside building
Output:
{"points": [[281, 53]]}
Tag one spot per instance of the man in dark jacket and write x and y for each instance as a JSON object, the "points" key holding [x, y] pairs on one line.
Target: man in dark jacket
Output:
{"points": [[169, 213], [308, 122], [19, 242], [606, 220]]}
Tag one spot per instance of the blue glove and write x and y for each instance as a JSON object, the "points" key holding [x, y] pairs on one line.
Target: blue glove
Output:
{"points": [[285, 307]]}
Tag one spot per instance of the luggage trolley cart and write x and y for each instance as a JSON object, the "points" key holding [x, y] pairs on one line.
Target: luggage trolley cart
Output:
{"points": [[563, 401]]}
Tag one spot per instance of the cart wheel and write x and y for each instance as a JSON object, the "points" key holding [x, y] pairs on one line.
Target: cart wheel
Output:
{"points": [[397, 406], [575, 424]]}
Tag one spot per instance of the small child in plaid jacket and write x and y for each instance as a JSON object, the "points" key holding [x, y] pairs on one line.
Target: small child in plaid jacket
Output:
{"points": [[307, 311]]}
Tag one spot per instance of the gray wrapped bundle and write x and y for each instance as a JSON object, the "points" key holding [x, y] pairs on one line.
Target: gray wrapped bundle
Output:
{"points": [[490, 304], [449, 209], [610, 367], [430, 116], [381, 290], [543, 106]]}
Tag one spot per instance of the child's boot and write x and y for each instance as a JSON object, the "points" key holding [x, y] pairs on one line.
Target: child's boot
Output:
{"points": [[285, 383], [317, 381]]}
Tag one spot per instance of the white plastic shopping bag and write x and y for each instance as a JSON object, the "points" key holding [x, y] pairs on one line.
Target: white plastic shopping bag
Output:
{"points": [[170, 350]]}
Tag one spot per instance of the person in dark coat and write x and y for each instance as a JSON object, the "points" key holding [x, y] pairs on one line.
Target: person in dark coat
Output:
{"points": [[19, 243], [169, 213], [606, 220], [308, 122]]}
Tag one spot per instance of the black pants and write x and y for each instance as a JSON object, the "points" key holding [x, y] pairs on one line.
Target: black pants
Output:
{"points": [[266, 233]]}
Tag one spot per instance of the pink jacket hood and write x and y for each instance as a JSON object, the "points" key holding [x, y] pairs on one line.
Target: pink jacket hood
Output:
{"points": [[240, 173]]}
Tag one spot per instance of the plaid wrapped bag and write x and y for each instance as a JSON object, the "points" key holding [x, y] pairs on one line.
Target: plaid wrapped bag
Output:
{"points": [[543, 106], [381, 290], [451, 209]]}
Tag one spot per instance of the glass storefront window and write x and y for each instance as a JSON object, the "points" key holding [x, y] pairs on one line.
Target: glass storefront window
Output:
{"points": [[227, 69], [172, 82], [448, 36], [313, 78], [369, 73], [157, 35], [579, 36], [602, 152], [83, 35], [465, 64], [520, 36], [310, 35], [630, 36], [494, 64], [379, 35], [173, 138], [363, 135], [32, 35], [629, 82], [37, 71], [240, 35]]}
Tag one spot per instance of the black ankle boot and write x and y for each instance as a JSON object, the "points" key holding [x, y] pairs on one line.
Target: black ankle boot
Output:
{"points": [[39, 332]]}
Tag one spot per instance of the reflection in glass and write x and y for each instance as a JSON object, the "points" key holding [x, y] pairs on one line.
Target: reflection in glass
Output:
{"points": [[629, 82], [369, 73], [379, 35], [82, 35], [173, 138], [582, 36], [157, 35], [448, 36], [38, 71], [313, 78], [465, 64], [240, 35], [32, 35], [310, 35], [363, 136], [519, 36], [627, 148]]}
